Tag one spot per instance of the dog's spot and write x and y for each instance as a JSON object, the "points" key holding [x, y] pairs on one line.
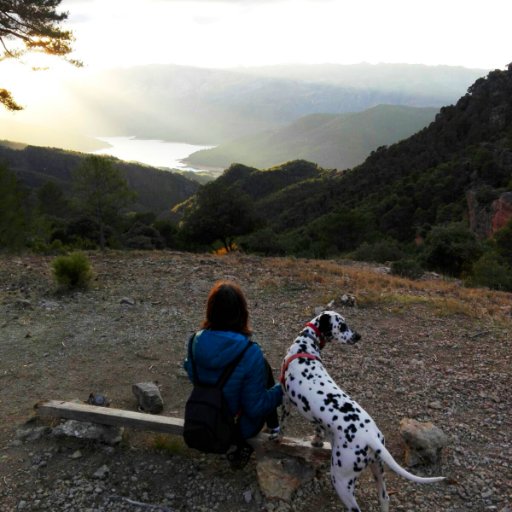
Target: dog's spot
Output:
{"points": [[347, 407], [305, 403]]}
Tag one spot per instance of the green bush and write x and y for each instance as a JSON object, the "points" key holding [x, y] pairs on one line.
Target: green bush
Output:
{"points": [[503, 239], [409, 268], [491, 271], [264, 241], [72, 271], [380, 252], [451, 249]]}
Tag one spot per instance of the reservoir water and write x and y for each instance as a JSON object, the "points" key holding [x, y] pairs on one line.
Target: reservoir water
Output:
{"points": [[157, 153]]}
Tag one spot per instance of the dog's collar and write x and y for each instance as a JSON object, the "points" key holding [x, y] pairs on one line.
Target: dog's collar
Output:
{"points": [[288, 360], [319, 335]]}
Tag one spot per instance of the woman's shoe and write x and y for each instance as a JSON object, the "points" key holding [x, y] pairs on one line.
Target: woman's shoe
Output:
{"points": [[239, 457]]}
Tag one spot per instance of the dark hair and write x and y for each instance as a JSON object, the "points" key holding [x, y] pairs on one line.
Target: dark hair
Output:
{"points": [[226, 309]]}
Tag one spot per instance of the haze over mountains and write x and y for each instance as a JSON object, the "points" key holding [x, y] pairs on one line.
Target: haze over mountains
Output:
{"points": [[330, 140], [213, 106]]}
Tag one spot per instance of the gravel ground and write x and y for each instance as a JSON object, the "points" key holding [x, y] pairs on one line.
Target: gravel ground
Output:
{"points": [[447, 366]]}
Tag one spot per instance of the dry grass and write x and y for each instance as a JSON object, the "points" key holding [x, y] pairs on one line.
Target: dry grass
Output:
{"points": [[373, 287]]}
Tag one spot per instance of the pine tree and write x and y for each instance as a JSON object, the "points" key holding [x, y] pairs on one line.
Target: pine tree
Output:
{"points": [[32, 26], [101, 191], [13, 220]]}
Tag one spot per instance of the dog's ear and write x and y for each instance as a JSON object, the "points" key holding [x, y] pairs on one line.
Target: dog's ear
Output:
{"points": [[325, 325]]}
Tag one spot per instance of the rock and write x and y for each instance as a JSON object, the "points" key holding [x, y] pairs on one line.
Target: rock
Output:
{"points": [[347, 300], [98, 399], [84, 430], [148, 397], [27, 435], [423, 442], [101, 473], [485, 219], [502, 211], [23, 304], [128, 301], [435, 405], [280, 478]]}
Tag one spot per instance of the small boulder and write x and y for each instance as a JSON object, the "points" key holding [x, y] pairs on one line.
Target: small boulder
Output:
{"points": [[423, 442], [148, 397], [85, 430], [279, 478]]}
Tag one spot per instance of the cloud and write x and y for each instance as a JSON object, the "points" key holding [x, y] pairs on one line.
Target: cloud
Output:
{"points": [[242, 2]]}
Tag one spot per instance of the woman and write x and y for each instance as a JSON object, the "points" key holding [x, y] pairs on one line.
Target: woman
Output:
{"points": [[250, 392]]}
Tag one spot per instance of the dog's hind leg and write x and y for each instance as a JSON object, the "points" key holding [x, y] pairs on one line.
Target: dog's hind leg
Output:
{"points": [[345, 487], [378, 474]]}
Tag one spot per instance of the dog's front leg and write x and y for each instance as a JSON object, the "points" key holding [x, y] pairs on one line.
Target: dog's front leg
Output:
{"points": [[285, 412], [319, 437]]}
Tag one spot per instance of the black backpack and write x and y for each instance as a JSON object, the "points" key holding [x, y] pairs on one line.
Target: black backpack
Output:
{"points": [[209, 424]]}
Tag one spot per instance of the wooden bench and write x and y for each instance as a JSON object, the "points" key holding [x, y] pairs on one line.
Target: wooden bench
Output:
{"points": [[169, 425]]}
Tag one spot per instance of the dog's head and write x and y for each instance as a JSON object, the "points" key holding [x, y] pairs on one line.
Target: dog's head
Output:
{"points": [[333, 327]]}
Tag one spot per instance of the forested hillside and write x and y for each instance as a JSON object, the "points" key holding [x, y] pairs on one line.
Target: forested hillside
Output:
{"points": [[157, 191], [330, 140], [442, 191]]}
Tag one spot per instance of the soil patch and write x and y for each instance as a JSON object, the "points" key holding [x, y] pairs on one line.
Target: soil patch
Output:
{"points": [[450, 368]]}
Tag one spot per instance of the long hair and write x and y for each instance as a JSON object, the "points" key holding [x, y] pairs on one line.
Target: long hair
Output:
{"points": [[226, 309]]}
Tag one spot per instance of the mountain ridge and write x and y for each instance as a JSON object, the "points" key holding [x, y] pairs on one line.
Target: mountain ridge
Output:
{"points": [[213, 106], [331, 140]]}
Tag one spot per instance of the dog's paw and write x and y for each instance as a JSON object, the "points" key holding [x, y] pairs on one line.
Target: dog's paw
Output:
{"points": [[275, 434], [316, 441]]}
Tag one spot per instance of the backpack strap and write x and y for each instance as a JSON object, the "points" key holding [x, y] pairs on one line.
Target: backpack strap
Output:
{"points": [[195, 376], [228, 370], [226, 373]]}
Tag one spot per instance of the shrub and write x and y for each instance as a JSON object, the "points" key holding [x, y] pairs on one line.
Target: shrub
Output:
{"points": [[409, 268], [380, 252], [503, 239], [264, 241], [141, 236], [72, 270], [451, 249], [491, 271]]}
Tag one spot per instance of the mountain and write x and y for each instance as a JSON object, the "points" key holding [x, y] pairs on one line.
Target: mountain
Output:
{"points": [[215, 106], [459, 168], [212, 106], [157, 191], [48, 135], [418, 80], [330, 140]]}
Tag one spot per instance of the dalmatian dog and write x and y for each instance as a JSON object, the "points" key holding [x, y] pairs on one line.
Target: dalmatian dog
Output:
{"points": [[355, 439]]}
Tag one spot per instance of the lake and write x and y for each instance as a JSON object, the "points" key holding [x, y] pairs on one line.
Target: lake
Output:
{"points": [[157, 153]]}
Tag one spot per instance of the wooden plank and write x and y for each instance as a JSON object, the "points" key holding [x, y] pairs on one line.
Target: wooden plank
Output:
{"points": [[290, 446], [169, 425], [110, 416]]}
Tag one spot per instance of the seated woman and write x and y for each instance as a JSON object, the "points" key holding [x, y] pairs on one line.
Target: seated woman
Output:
{"points": [[250, 392]]}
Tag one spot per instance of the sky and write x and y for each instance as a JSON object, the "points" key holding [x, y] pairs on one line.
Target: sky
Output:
{"points": [[228, 33], [233, 33]]}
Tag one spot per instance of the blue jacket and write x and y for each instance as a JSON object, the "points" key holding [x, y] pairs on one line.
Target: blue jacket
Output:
{"points": [[246, 390]]}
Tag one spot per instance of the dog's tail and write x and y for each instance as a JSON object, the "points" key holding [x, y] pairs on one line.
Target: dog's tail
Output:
{"points": [[382, 452]]}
